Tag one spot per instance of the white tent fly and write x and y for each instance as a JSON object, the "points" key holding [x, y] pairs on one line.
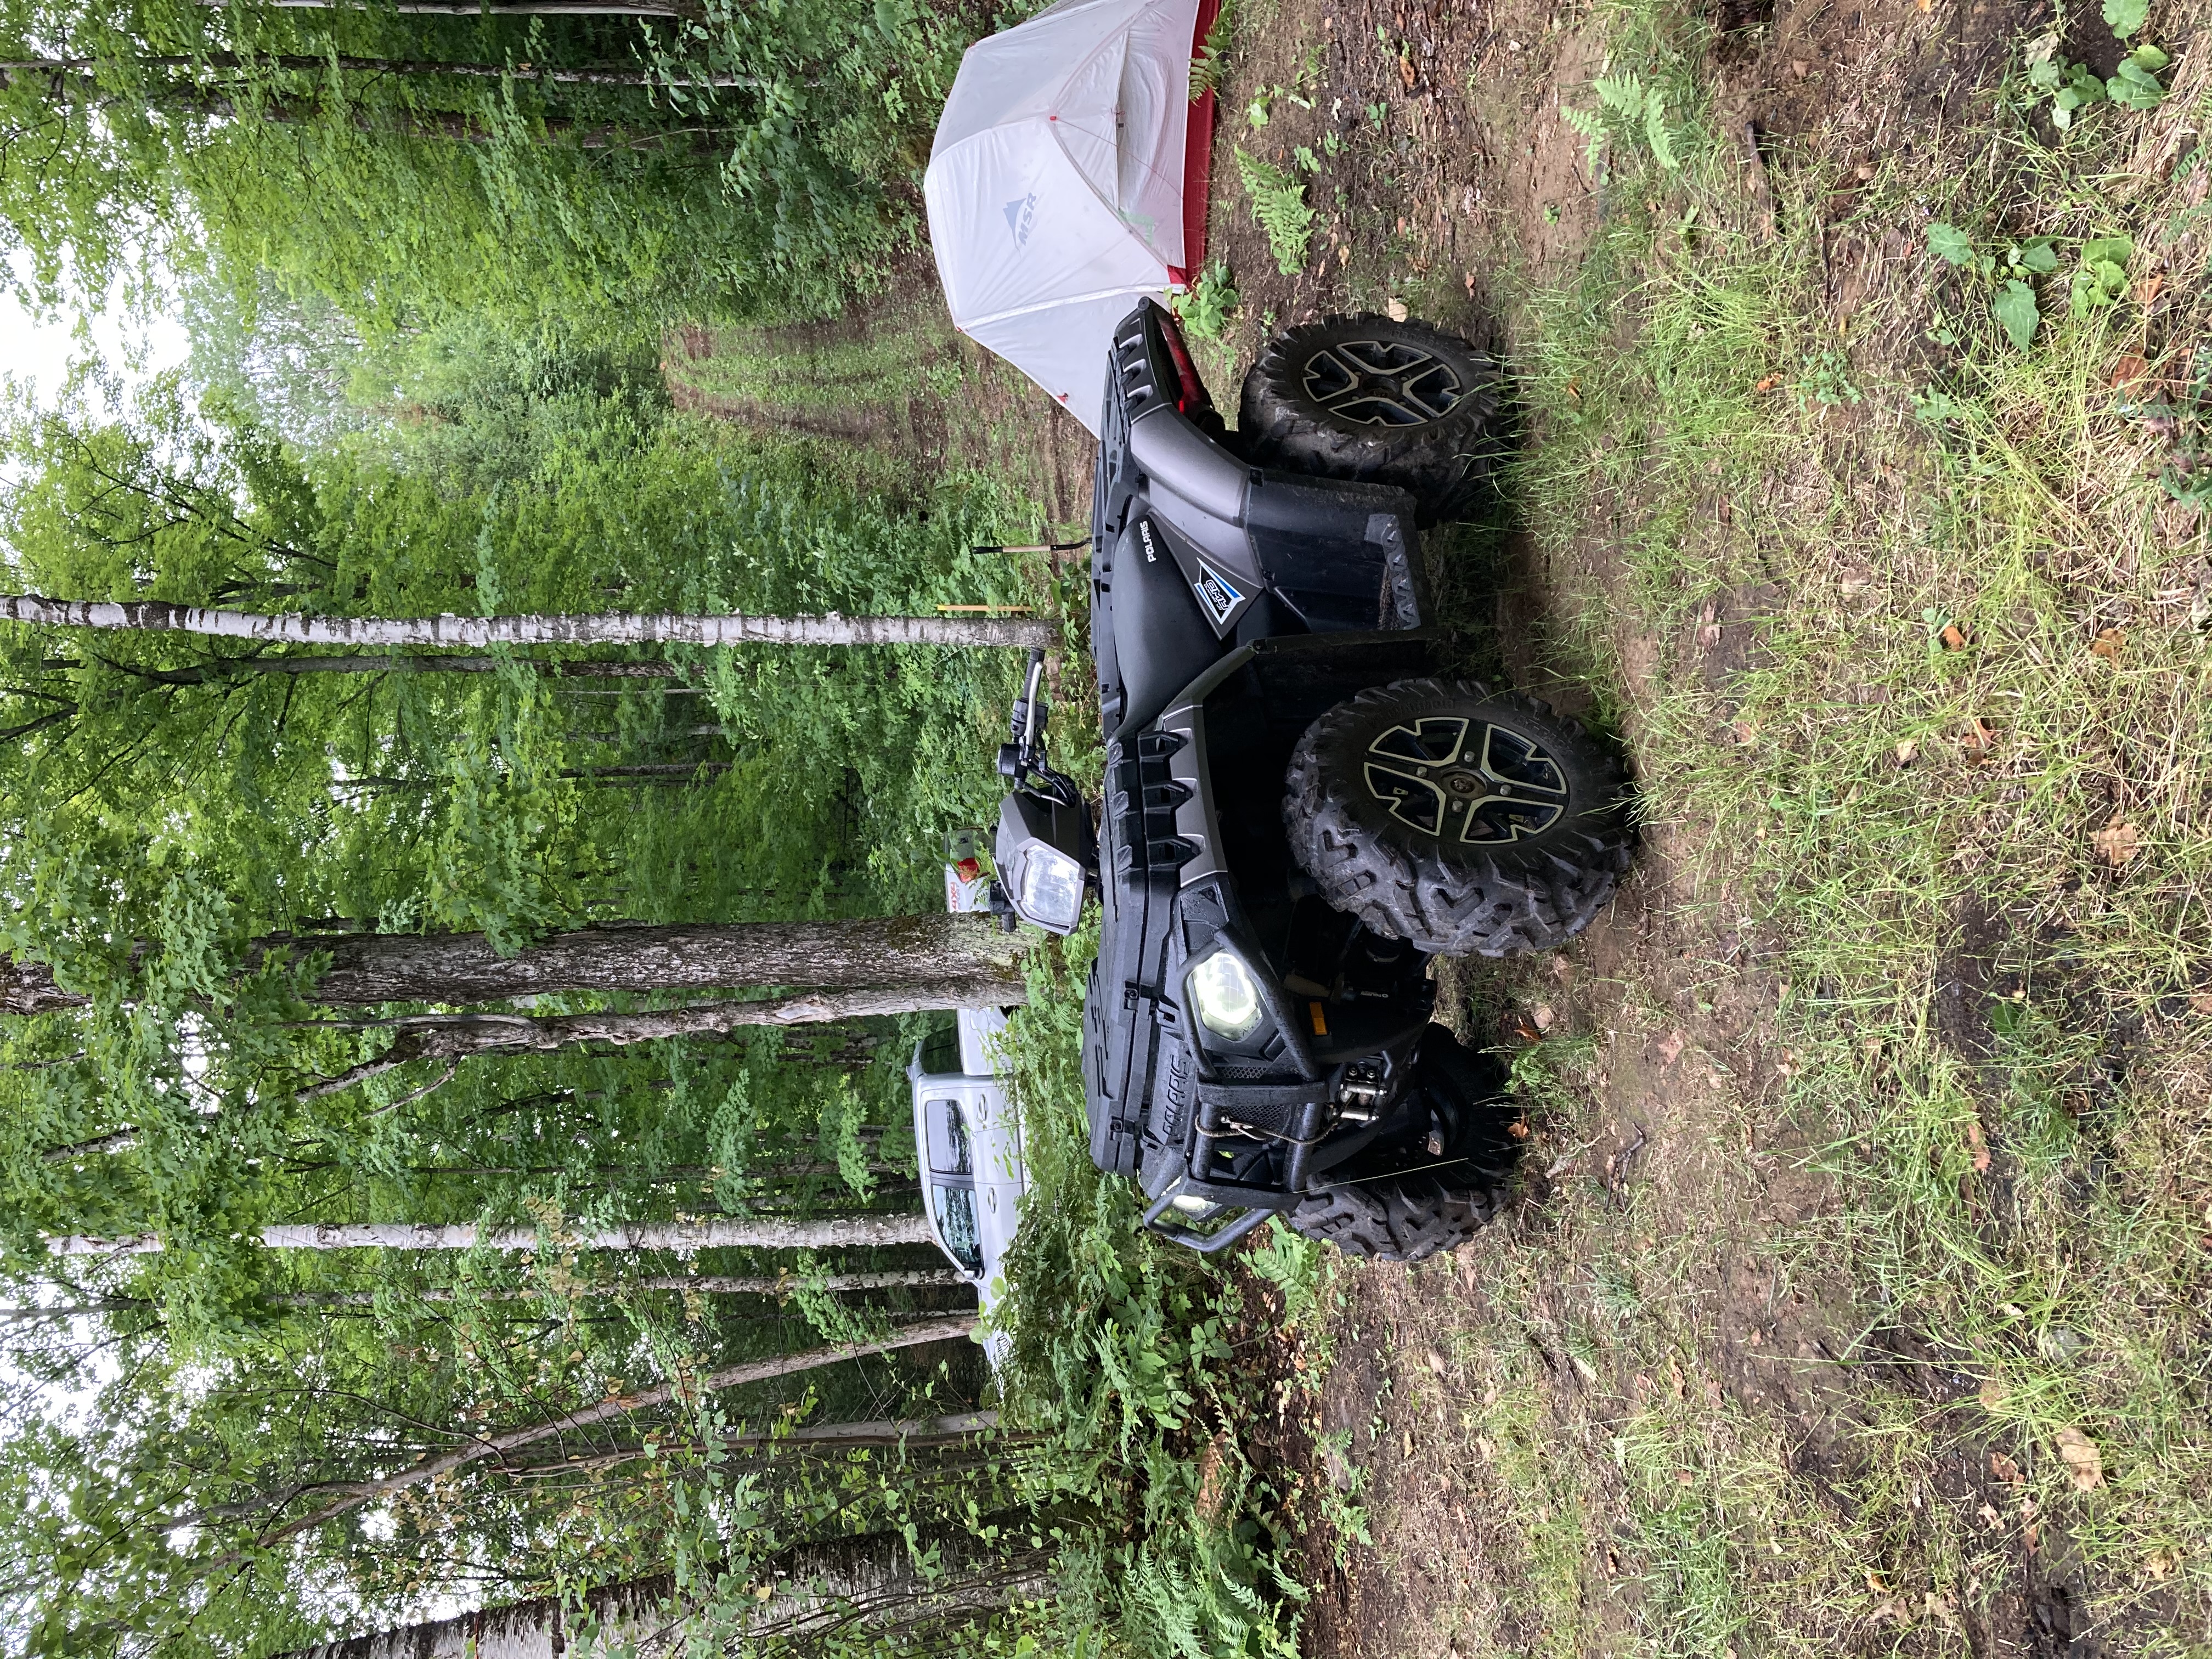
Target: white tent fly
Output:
{"points": [[1056, 186]]}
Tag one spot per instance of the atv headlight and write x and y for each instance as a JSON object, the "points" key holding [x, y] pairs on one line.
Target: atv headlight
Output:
{"points": [[1225, 995], [1050, 891]]}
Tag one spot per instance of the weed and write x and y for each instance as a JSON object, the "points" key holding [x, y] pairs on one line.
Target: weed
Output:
{"points": [[2102, 280], [1206, 309], [1279, 204], [1628, 104], [1210, 66], [1827, 379], [2013, 304]]}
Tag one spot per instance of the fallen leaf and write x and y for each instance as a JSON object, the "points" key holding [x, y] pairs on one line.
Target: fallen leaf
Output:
{"points": [[1907, 752], [1978, 1146], [1746, 732], [2005, 1469], [1407, 72], [2201, 1002], [2130, 369], [2082, 1459], [2159, 1564], [2108, 644], [1767, 383], [1542, 1014], [1993, 1394], [1953, 637], [1397, 308], [1674, 1384], [2117, 842], [1683, 1477], [1435, 1362], [1978, 740], [1874, 1583], [2148, 290], [1518, 1129], [1991, 1516], [1670, 1047], [1485, 1447]]}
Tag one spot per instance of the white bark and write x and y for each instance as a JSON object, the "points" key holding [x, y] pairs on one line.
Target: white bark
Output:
{"points": [[682, 1237], [782, 1285], [496, 8], [610, 628]]}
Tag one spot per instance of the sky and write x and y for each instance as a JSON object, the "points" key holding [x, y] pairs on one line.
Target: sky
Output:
{"points": [[36, 352]]}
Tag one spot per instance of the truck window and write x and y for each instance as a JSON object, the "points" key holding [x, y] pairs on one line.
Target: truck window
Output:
{"points": [[956, 1224], [948, 1139]]}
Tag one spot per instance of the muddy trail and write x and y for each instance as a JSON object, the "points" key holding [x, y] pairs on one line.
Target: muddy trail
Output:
{"points": [[1476, 1434]]}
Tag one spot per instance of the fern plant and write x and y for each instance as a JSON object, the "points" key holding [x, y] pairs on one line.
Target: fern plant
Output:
{"points": [[1208, 68], [1279, 204], [1629, 104]]}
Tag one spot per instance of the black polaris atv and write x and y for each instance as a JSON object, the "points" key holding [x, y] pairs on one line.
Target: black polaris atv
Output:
{"points": [[1300, 808]]}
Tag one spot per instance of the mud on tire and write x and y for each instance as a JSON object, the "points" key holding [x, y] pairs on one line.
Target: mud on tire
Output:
{"points": [[1459, 819], [1373, 401]]}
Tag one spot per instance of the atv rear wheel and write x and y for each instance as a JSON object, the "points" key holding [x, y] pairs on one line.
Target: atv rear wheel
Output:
{"points": [[1456, 1181], [1374, 401], [1458, 819]]}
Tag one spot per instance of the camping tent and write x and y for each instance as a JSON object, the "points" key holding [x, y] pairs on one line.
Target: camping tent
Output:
{"points": [[1067, 178]]}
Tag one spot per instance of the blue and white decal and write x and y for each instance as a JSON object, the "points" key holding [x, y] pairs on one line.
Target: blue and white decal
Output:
{"points": [[1217, 596]]}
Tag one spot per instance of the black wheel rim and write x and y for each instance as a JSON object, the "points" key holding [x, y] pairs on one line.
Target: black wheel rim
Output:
{"points": [[1467, 781], [1382, 383]]}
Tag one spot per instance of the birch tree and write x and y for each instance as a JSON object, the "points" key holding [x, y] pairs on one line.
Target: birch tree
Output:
{"points": [[683, 1237], [393, 633]]}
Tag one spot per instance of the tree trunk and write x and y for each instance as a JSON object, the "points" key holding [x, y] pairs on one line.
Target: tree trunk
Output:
{"points": [[700, 1284], [852, 1232], [488, 8], [608, 628], [480, 1448], [231, 667], [455, 1037], [873, 953], [871, 1580], [605, 76]]}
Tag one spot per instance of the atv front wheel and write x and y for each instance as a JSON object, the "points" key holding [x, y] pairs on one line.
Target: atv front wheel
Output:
{"points": [[1373, 401], [1452, 1176], [1460, 820]]}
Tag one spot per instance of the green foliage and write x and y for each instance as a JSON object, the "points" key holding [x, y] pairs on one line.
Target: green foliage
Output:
{"points": [[2015, 308], [2073, 88], [1631, 106], [2102, 280], [1280, 208], [1211, 63], [751, 163], [2124, 17], [2135, 85], [2013, 304], [1124, 1378], [1207, 308]]}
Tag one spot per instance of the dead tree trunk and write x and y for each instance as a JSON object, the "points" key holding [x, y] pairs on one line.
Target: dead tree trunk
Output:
{"points": [[610, 628]]}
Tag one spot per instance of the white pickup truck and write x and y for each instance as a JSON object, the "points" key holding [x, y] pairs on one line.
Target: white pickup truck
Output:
{"points": [[969, 1136]]}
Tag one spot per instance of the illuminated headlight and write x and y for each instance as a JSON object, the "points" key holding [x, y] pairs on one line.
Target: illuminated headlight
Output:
{"points": [[1050, 893], [1225, 995]]}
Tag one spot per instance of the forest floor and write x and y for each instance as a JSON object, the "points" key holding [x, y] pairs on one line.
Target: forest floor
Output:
{"points": [[1856, 1297]]}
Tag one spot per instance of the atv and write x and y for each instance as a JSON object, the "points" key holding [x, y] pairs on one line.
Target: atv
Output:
{"points": [[1302, 807]]}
